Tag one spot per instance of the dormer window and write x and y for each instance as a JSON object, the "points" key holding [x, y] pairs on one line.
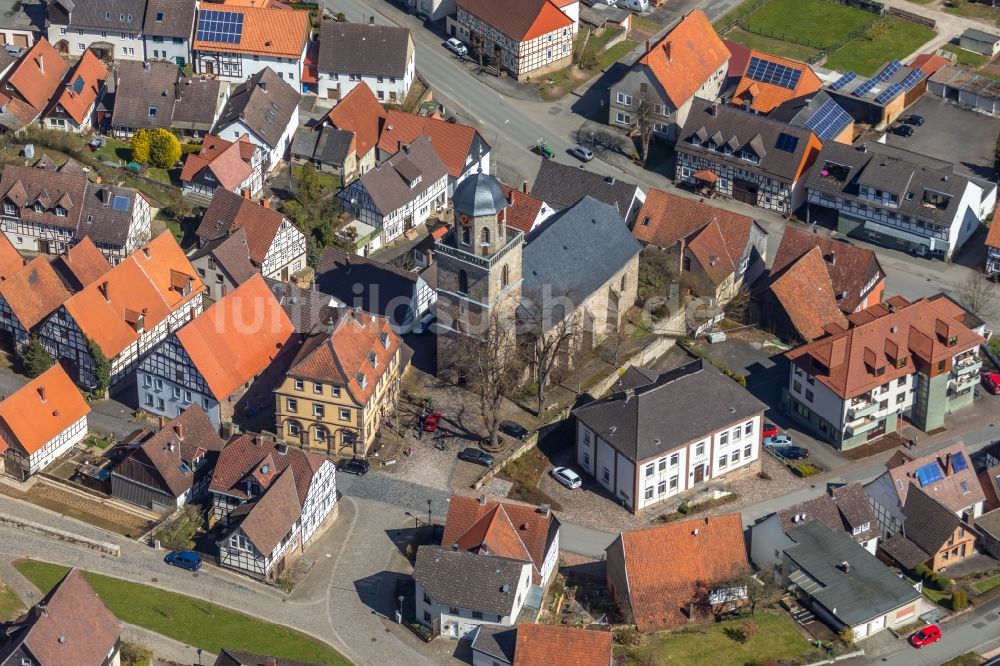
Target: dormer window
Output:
{"points": [[384, 337], [159, 17], [373, 359], [39, 208], [152, 112], [9, 208], [953, 340], [60, 211], [362, 379]]}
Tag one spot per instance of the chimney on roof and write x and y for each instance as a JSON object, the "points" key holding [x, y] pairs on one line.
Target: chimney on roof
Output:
{"points": [[179, 431], [544, 509], [262, 82], [371, 20], [454, 546], [406, 148], [265, 202], [694, 532], [831, 257], [43, 608], [41, 63], [524, 187], [647, 46], [245, 192], [610, 180], [666, 51], [949, 467], [145, 251], [41, 393], [482, 500], [162, 422], [103, 288], [845, 566]]}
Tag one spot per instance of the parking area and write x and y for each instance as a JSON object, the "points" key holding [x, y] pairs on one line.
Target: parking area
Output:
{"points": [[954, 134]]}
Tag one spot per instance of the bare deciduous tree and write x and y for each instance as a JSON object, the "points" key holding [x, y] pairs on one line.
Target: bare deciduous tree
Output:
{"points": [[488, 366], [644, 119], [546, 337], [979, 296]]}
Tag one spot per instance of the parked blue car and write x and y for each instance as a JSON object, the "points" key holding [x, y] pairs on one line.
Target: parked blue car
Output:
{"points": [[185, 559]]}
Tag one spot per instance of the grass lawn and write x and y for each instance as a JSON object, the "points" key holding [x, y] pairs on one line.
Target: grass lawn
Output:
{"points": [[771, 45], [987, 584], [994, 345], [975, 10], [818, 23], [100, 441], [776, 639], [866, 56], [114, 150], [937, 596], [10, 605], [967, 659], [556, 84], [327, 181], [967, 58], [526, 472], [194, 621]]}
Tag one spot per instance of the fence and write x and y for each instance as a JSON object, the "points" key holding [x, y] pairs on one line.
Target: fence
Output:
{"points": [[910, 16]]}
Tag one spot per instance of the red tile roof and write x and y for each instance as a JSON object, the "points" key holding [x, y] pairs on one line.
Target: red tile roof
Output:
{"points": [[238, 337], [230, 211], [41, 409], [229, 161], [84, 262], [75, 628], [993, 236], [34, 292], [143, 285], [666, 565], [880, 344], [929, 62], [708, 245], [520, 20], [849, 265], [272, 516], [503, 528], [686, 57], [242, 457], [11, 260], [739, 56], [451, 141], [523, 210], [666, 219], [764, 97], [88, 76], [544, 645], [36, 77], [807, 296], [271, 31], [342, 357], [359, 112]]}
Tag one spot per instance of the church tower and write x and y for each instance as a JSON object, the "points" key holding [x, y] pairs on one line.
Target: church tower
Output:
{"points": [[479, 266]]}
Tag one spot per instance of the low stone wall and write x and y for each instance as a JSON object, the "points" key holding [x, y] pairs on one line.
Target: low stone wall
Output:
{"points": [[51, 532]]}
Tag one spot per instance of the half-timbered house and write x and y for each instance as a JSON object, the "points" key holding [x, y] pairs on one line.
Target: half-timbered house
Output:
{"points": [[216, 358], [27, 297], [125, 314], [73, 108], [275, 246], [40, 421], [233, 165], [172, 467], [272, 500]]}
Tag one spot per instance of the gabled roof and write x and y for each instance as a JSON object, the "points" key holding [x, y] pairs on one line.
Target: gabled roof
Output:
{"points": [[110, 15], [842, 509], [230, 211], [228, 161], [545, 645], [756, 90], [816, 110], [231, 254], [561, 186], [864, 590], [465, 580], [522, 210], [338, 273], [11, 260], [667, 565], [686, 57], [168, 455], [308, 309], [135, 296], [577, 251], [684, 404], [359, 348], [161, 85], [266, 521], [929, 63], [272, 31], [74, 628], [849, 266], [927, 522], [494, 527], [362, 48], [388, 184], [667, 218], [34, 292], [264, 103], [324, 143], [520, 20], [226, 350], [359, 112], [82, 264], [708, 246], [453, 142], [878, 346], [42, 409], [83, 85], [36, 77], [242, 456], [169, 18], [806, 294], [942, 476]]}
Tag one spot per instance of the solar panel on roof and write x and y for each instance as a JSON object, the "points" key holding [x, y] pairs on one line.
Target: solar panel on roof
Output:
{"points": [[120, 203], [767, 71], [912, 79], [889, 93], [881, 77], [829, 120], [787, 142], [928, 474], [843, 81], [78, 85], [219, 26], [864, 88], [959, 463]]}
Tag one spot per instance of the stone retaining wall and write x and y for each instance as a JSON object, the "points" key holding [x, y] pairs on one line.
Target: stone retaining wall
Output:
{"points": [[69, 537]]}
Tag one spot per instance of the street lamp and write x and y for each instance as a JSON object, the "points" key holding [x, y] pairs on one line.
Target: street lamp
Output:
{"points": [[415, 520], [428, 512]]}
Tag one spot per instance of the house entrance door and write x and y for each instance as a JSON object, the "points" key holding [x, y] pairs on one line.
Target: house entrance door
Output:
{"points": [[699, 473], [745, 191]]}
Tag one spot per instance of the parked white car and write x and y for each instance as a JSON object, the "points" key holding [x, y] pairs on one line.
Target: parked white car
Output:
{"points": [[567, 477], [777, 440], [457, 47]]}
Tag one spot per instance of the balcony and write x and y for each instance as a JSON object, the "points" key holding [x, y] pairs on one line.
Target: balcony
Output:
{"points": [[966, 366], [447, 246], [963, 382], [858, 426], [860, 408]]}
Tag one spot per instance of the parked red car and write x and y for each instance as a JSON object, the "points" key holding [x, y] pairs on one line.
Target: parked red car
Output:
{"points": [[929, 634], [991, 382], [770, 430], [431, 421]]}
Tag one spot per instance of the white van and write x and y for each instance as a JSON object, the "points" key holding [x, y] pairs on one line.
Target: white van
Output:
{"points": [[635, 5]]}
